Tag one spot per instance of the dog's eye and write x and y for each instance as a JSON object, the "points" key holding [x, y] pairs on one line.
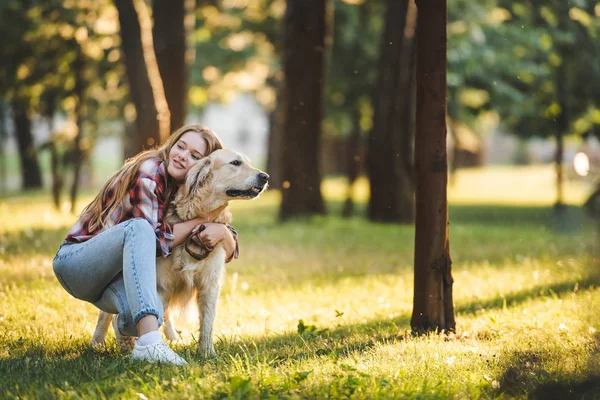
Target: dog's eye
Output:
{"points": [[237, 163]]}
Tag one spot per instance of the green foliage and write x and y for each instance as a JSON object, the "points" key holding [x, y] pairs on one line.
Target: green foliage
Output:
{"points": [[520, 54], [42, 41], [237, 50]]}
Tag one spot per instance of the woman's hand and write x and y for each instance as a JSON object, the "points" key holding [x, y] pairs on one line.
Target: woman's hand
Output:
{"points": [[212, 234]]}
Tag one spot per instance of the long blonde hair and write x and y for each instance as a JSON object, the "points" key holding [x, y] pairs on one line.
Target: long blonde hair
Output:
{"points": [[98, 212]]}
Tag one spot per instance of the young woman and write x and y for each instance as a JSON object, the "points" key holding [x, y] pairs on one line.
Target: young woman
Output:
{"points": [[109, 256]]}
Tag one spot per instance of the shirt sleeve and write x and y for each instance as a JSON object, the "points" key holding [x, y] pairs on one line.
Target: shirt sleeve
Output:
{"points": [[236, 251], [148, 204]]}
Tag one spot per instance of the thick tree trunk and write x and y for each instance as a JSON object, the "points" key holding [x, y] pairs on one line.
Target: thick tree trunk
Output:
{"points": [[433, 307], [303, 66], [172, 21], [390, 155], [30, 168], [147, 124]]}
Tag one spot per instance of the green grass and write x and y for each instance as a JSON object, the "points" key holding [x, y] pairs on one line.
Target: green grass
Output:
{"points": [[527, 298]]}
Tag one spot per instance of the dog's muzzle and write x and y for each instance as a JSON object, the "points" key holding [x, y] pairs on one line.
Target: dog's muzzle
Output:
{"points": [[260, 184]]}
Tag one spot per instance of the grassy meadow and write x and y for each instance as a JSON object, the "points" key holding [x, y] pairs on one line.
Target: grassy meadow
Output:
{"points": [[321, 308]]}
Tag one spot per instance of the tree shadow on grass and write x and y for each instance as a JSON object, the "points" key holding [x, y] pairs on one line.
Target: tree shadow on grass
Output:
{"points": [[527, 376], [515, 298], [571, 218], [342, 340]]}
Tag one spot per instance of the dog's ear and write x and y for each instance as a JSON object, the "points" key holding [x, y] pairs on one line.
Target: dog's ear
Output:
{"points": [[199, 175]]}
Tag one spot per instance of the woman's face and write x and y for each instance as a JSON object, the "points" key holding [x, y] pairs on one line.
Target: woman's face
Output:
{"points": [[185, 153]]}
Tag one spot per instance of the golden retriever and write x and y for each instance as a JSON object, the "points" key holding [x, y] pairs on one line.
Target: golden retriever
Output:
{"points": [[222, 176]]}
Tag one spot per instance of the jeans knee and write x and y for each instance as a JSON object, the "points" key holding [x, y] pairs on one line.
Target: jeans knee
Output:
{"points": [[141, 227]]}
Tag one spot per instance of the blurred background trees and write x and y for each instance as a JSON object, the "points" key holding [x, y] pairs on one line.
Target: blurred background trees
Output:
{"points": [[74, 74]]}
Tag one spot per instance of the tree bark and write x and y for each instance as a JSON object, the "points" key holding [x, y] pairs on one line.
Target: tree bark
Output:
{"points": [[30, 168], [147, 124], [561, 128], [433, 307], [172, 21], [3, 139], [78, 154], [274, 160], [353, 162], [390, 150], [303, 66], [52, 145]]}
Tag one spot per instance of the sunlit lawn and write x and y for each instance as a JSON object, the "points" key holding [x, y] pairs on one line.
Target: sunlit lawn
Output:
{"points": [[527, 297]]}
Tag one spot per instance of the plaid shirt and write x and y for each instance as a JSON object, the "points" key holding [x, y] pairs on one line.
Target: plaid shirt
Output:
{"points": [[146, 199]]}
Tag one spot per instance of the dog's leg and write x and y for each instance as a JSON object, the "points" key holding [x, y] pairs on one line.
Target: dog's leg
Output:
{"points": [[169, 328], [99, 337], [208, 282]]}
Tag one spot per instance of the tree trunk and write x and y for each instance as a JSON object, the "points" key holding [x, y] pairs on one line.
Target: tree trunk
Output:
{"points": [[353, 162], [390, 156], [147, 124], [78, 154], [303, 66], [172, 21], [433, 308], [561, 128], [3, 139], [30, 168], [274, 145], [55, 158]]}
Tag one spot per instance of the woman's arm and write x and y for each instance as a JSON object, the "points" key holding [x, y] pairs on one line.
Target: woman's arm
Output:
{"points": [[182, 230], [215, 233]]}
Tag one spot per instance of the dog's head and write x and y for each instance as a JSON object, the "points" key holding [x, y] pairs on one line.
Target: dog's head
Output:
{"points": [[225, 175]]}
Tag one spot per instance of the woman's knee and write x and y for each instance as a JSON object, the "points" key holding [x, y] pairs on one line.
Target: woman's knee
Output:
{"points": [[140, 227]]}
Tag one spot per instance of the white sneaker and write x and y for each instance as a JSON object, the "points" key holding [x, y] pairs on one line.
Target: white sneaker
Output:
{"points": [[157, 352]]}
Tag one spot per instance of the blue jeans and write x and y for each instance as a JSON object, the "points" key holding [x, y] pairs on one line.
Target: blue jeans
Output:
{"points": [[116, 271]]}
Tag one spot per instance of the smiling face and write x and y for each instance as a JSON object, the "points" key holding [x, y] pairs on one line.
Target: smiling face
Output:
{"points": [[185, 153]]}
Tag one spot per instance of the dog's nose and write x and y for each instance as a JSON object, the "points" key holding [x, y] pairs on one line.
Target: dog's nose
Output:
{"points": [[263, 177]]}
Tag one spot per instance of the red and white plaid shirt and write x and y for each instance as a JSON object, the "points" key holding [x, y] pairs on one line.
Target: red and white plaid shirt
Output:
{"points": [[146, 199]]}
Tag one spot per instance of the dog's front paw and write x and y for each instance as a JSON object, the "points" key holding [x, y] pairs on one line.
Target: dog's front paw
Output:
{"points": [[97, 341], [125, 343]]}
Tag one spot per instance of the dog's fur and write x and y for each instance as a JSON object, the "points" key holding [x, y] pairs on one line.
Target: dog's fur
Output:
{"points": [[222, 176]]}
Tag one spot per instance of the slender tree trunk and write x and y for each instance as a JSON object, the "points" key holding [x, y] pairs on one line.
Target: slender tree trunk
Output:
{"points": [[561, 128], [303, 66], [147, 123], [353, 162], [78, 154], [55, 158], [3, 139], [433, 307], [274, 160], [172, 21], [30, 168], [390, 143]]}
